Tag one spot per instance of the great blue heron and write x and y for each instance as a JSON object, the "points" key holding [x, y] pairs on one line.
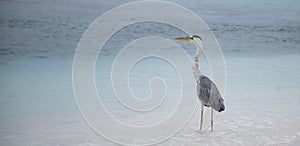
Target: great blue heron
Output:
{"points": [[207, 91]]}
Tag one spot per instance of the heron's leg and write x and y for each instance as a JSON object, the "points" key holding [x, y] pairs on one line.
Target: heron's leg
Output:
{"points": [[201, 117], [212, 120]]}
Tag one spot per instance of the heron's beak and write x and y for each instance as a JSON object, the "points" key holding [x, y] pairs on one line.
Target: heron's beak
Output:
{"points": [[183, 38]]}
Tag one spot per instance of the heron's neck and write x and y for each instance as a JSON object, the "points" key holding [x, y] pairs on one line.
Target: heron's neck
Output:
{"points": [[198, 53], [196, 70]]}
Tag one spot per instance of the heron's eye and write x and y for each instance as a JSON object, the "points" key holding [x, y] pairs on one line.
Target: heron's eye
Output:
{"points": [[192, 38]]}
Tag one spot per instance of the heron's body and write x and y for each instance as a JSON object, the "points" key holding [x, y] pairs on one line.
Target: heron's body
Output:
{"points": [[207, 91], [209, 94]]}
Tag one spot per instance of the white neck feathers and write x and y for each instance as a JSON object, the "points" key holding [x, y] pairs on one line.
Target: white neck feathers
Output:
{"points": [[196, 70]]}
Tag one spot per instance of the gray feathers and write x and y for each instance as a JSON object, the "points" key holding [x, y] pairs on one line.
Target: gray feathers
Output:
{"points": [[209, 94]]}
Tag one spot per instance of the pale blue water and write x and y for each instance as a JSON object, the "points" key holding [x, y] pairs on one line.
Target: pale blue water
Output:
{"points": [[260, 41]]}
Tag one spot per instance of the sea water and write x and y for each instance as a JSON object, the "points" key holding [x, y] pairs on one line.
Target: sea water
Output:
{"points": [[259, 39]]}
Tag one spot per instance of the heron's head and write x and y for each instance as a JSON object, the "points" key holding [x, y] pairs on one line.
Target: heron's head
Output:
{"points": [[194, 39]]}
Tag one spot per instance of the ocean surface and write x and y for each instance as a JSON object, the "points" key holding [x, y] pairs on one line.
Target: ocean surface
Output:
{"points": [[260, 41]]}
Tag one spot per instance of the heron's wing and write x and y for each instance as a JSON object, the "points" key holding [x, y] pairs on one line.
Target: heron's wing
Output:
{"points": [[208, 92], [203, 89]]}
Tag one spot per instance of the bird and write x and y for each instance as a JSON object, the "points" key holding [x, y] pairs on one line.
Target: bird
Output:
{"points": [[207, 90]]}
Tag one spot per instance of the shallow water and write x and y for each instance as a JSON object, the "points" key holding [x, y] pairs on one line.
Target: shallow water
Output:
{"points": [[260, 41]]}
